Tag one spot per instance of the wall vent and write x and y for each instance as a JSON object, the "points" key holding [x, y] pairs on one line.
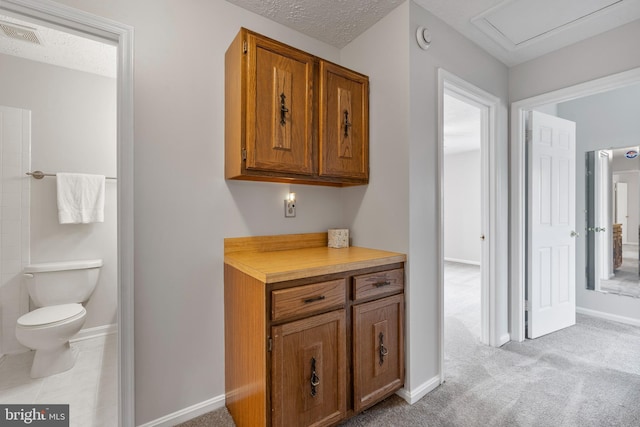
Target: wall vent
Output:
{"points": [[19, 32]]}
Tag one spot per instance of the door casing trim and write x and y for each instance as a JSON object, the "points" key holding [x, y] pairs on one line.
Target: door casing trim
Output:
{"points": [[67, 18]]}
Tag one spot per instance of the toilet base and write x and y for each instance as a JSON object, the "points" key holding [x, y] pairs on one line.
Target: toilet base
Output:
{"points": [[51, 361]]}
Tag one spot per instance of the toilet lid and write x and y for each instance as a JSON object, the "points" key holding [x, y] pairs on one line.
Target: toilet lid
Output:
{"points": [[51, 314]]}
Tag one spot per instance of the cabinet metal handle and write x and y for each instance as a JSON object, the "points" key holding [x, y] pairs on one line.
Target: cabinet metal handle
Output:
{"points": [[315, 379], [314, 299], [283, 110], [381, 284], [383, 349], [347, 123]]}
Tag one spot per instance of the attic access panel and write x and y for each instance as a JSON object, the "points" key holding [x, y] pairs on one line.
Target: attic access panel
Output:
{"points": [[518, 23]]}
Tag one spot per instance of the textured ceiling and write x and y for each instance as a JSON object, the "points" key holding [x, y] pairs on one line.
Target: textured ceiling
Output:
{"points": [[62, 49], [335, 22], [338, 22]]}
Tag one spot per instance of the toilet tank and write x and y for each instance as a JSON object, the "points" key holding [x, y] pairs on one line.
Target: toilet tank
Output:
{"points": [[53, 283]]}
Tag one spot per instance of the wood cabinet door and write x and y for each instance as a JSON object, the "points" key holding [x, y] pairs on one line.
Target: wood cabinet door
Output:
{"points": [[378, 350], [344, 123], [279, 107], [308, 371]]}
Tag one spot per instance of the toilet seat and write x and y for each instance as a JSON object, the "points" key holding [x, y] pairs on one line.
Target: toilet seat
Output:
{"points": [[52, 315]]}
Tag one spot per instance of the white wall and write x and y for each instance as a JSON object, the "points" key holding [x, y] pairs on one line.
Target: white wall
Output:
{"points": [[609, 53], [73, 119], [462, 206]]}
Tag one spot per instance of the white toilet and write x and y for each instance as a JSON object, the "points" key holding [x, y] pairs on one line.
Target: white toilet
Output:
{"points": [[58, 289]]}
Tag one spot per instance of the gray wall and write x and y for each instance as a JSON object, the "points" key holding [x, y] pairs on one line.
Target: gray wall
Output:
{"points": [[398, 209], [184, 207], [606, 120], [630, 235], [73, 124]]}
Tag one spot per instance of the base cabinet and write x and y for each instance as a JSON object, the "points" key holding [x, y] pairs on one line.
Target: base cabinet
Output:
{"points": [[333, 345]]}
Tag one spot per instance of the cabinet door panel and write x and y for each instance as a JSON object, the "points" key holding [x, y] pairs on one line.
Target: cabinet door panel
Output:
{"points": [[279, 108], [344, 123], [378, 353], [308, 371]]}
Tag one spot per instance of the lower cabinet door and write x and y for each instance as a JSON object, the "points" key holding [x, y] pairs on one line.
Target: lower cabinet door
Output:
{"points": [[378, 350], [309, 371]]}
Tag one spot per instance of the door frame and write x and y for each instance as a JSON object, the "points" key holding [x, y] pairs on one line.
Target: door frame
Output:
{"points": [[66, 18], [518, 195], [489, 104]]}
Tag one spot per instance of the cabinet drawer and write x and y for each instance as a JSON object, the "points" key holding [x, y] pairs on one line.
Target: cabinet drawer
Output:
{"points": [[303, 300], [380, 283]]}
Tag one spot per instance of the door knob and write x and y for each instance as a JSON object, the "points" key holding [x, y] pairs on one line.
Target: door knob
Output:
{"points": [[482, 237], [574, 234]]}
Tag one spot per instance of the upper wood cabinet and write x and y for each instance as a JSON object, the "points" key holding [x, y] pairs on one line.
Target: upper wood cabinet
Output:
{"points": [[344, 123], [293, 117]]}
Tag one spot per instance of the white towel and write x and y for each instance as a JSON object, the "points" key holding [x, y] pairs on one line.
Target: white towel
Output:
{"points": [[80, 198]]}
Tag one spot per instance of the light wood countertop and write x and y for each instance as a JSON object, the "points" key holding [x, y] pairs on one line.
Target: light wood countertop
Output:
{"points": [[280, 265]]}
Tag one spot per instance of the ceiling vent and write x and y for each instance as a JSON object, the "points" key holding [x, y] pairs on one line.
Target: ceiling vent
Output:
{"points": [[19, 32]]}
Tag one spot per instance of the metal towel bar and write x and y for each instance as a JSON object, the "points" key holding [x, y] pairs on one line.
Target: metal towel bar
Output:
{"points": [[40, 175]]}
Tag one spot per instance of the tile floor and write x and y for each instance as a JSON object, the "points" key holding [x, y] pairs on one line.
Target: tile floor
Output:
{"points": [[90, 387]]}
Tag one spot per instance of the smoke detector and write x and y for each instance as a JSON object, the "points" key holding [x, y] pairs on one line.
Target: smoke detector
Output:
{"points": [[19, 32]]}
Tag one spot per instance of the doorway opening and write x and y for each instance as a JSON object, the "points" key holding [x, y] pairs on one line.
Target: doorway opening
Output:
{"points": [[467, 151], [462, 198], [68, 20], [590, 233]]}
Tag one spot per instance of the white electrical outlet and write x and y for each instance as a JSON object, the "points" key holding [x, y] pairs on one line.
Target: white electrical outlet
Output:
{"points": [[289, 208]]}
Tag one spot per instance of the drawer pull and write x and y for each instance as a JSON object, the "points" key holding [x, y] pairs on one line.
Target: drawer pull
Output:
{"points": [[315, 379], [381, 284], [314, 299], [383, 349]]}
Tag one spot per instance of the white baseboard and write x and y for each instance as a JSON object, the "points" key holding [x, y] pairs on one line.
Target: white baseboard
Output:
{"points": [[462, 261], [186, 414], [189, 413], [412, 396], [609, 316], [98, 331]]}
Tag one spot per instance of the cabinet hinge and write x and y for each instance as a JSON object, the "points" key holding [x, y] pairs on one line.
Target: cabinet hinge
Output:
{"points": [[244, 46], [269, 344], [244, 154]]}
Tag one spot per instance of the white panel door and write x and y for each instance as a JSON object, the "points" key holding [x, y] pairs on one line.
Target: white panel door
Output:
{"points": [[551, 303], [622, 213]]}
